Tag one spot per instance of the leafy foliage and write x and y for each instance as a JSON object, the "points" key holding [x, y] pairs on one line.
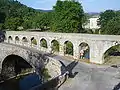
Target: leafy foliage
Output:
{"points": [[34, 42], [14, 14], [69, 48], [55, 46], [42, 21], [45, 74], [68, 16], [13, 23], [112, 27], [105, 17], [43, 43], [109, 22]]}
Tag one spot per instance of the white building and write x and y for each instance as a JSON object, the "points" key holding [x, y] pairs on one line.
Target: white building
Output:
{"points": [[92, 23]]}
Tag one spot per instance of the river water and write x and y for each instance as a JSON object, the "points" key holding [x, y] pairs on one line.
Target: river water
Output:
{"points": [[21, 83]]}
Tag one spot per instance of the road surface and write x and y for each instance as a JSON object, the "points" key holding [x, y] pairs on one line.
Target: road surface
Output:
{"points": [[91, 77]]}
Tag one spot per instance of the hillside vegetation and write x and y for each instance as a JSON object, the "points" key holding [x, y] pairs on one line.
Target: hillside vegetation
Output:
{"points": [[66, 16]]}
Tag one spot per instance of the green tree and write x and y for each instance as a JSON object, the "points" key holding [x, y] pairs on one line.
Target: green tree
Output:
{"points": [[42, 21], [117, 13], [13, 23], [2, 17], [112, 27], [43, 43], [2, 20], [55, 46], [105, 17], [69, 48], [34, 42], [21, 15], [67, 16], [27, 22]]}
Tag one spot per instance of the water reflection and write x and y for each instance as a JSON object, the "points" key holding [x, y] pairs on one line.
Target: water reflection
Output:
{"points": [[21, 83], [29, 81]]}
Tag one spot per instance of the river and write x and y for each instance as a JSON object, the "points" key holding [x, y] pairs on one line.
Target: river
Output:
{"points": [[21, 82]]}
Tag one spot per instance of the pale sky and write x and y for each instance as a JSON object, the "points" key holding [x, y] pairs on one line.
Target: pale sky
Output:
{"points": [[88, 5]]}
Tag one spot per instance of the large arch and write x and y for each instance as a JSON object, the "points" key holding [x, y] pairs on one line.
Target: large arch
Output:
{"points": [[10, 39], [84, 51], [36, 59], [68, 48], [54, 46], [43, 43], [112, 55], [33, 41], [13, 65]]}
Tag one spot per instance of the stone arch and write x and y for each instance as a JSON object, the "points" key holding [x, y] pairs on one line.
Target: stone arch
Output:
{"points": [[43, 43], [112, 52], [68, 48], [17, 39], [10, 39], [13, 65], [24, 39], [2, 36], [54, 46], [84, 51], [33, 41], [34, 58]]}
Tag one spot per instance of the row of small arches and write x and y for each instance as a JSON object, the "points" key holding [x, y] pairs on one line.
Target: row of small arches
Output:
{"points": [[24, 39], [43, 42], [55, 46]]}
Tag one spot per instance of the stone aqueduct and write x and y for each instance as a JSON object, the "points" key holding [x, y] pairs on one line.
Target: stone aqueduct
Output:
{"points": [[98, 44]]}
